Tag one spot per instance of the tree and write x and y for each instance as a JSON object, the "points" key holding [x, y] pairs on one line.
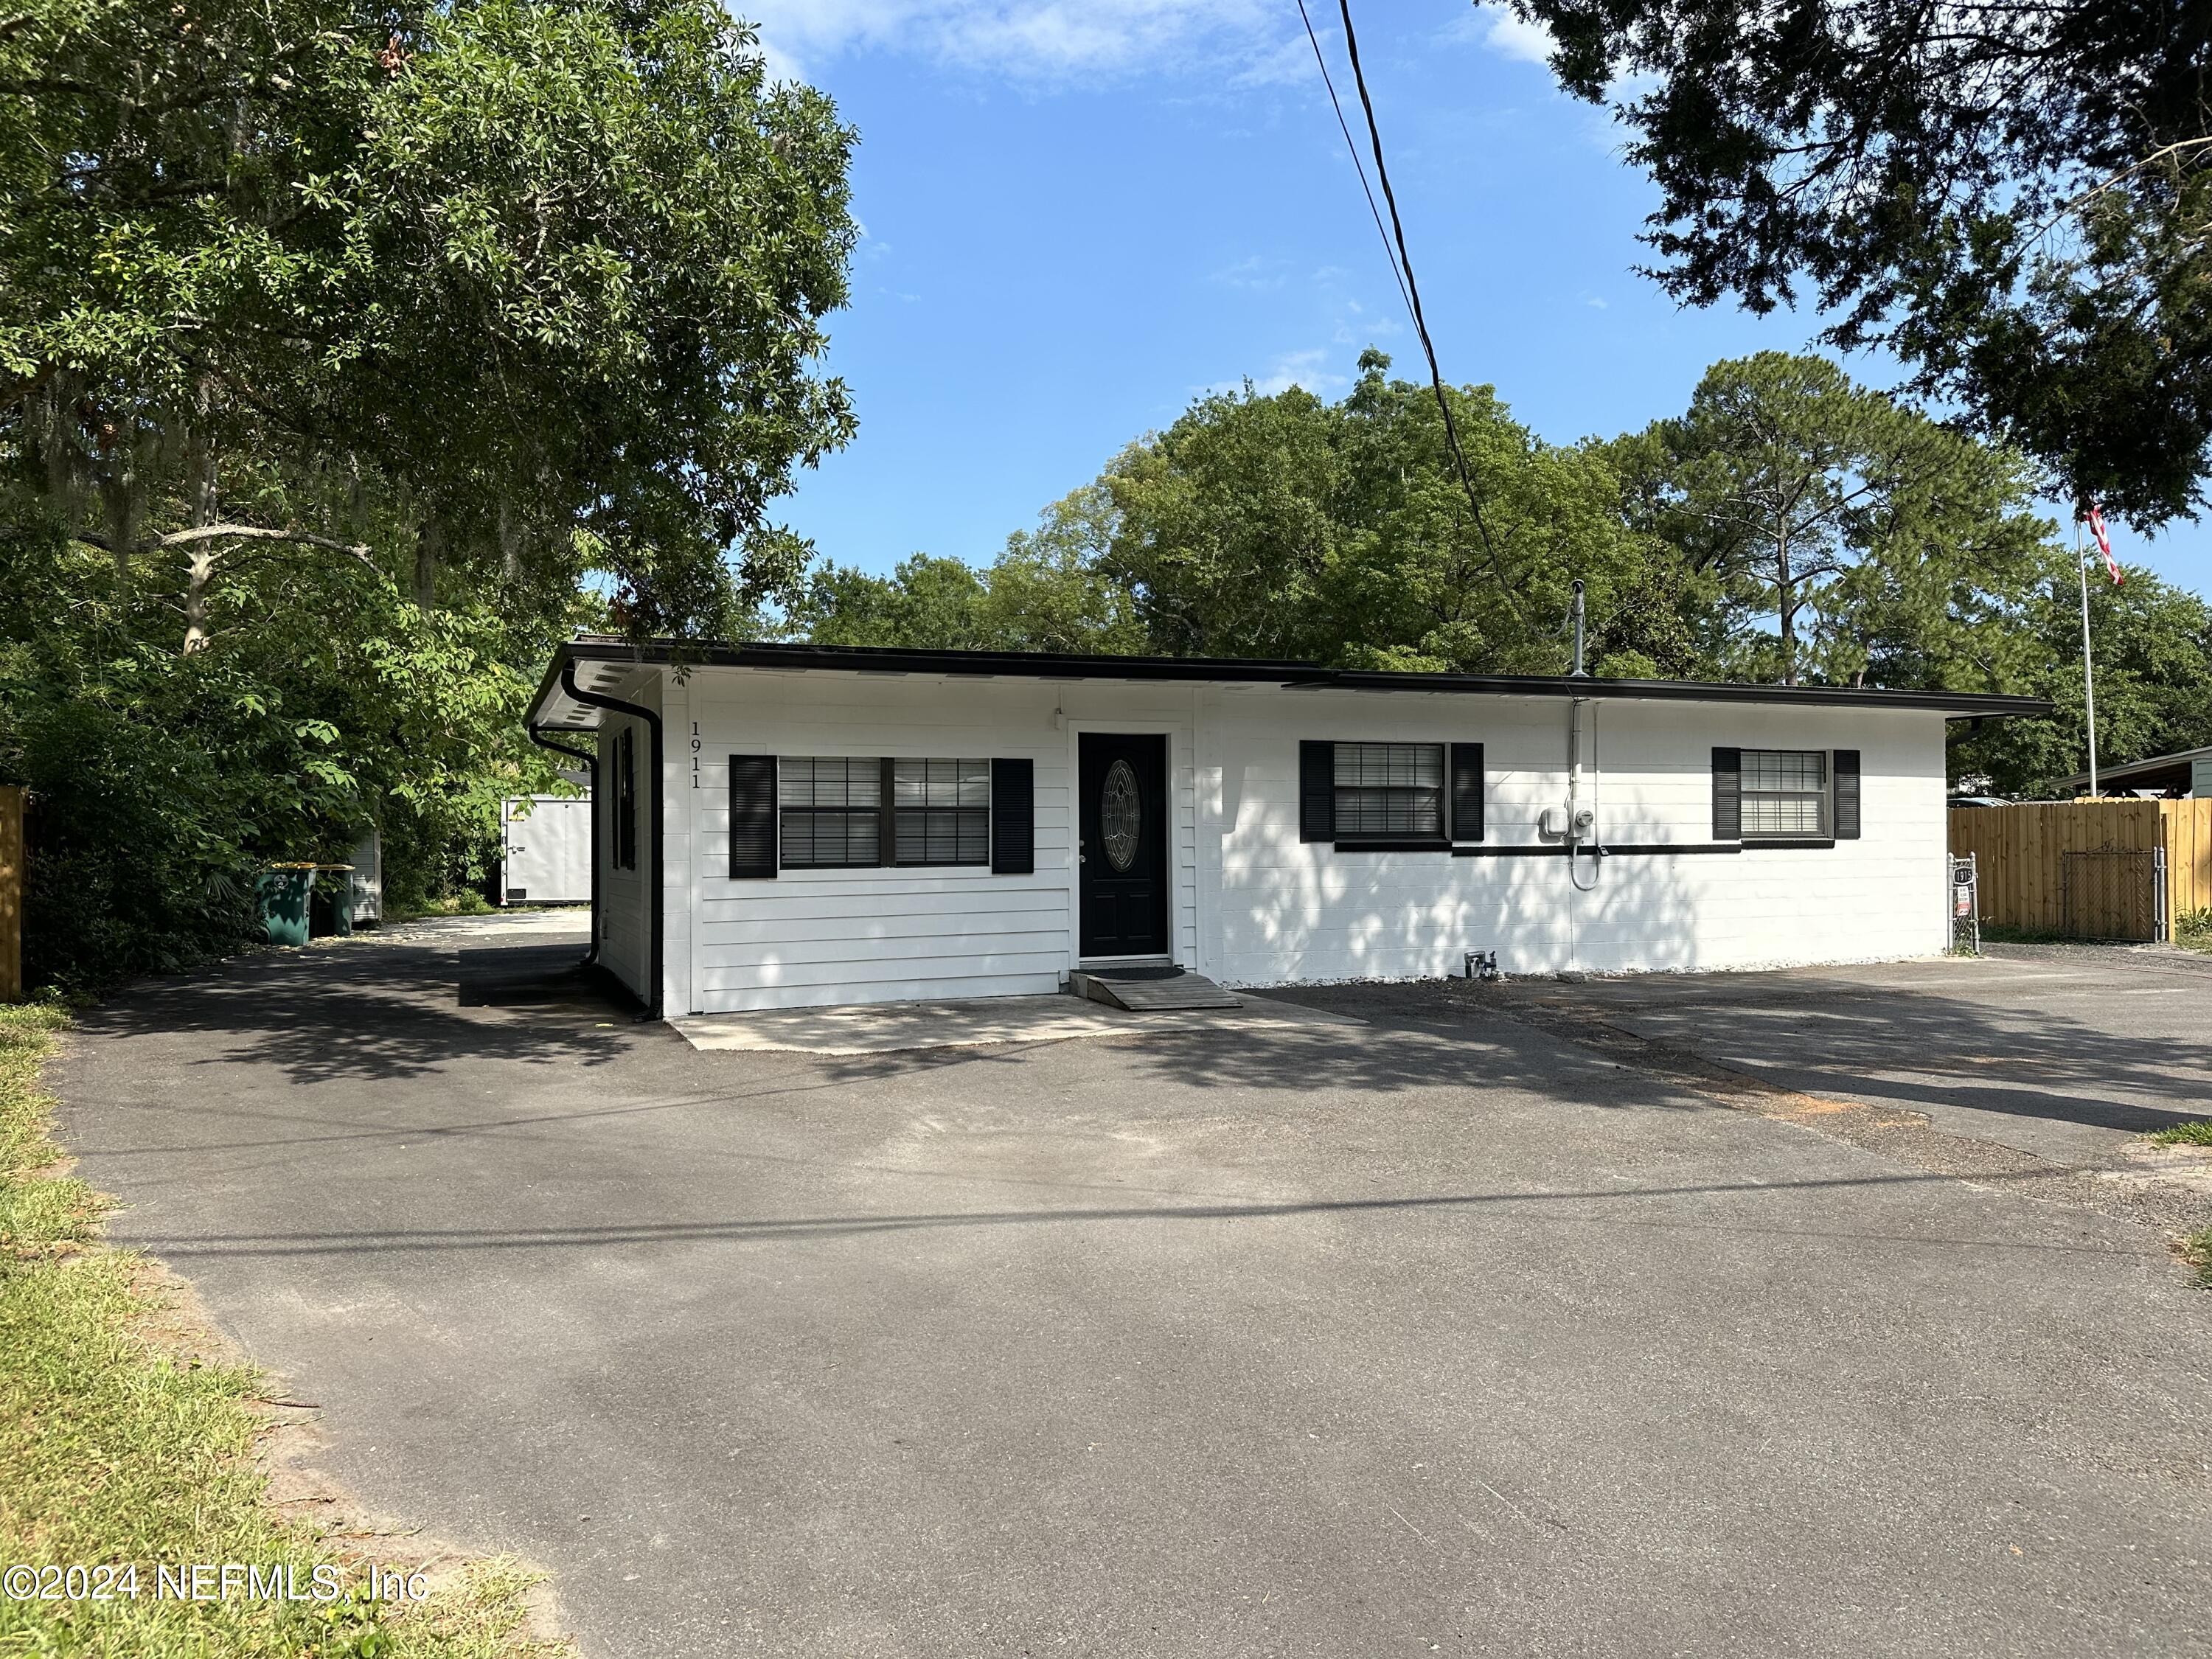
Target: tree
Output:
{"points": [[1285, 526], [927, 604], [2154, 664], [161, 782], [2017, 198], [531, 287], [1050, 590], [1046, 591], [1864, 532], [348, 359]]}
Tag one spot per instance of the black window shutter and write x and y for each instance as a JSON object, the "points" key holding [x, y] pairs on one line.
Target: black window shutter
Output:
{"points": [[1466, 791], [1013, 818], [616, 793], [1316, 791], [753, 817], [1846, 763], [1727, 795], [886, 811], [626, 824]]}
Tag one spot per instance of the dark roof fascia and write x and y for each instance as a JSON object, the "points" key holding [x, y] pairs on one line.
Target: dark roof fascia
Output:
{"points": [[1047, 665], [1960, 705], [2159, 768]]}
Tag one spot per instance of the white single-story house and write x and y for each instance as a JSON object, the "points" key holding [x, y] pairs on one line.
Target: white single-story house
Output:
{"points": [[783, 826]]}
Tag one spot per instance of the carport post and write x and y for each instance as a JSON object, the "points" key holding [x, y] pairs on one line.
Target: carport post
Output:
{"points": [[660, 900]]}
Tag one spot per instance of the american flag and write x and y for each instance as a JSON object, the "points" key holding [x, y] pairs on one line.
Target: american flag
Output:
{"points": [[2105, 546]]}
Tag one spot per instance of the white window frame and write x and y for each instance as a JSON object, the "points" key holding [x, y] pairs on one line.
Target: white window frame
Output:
{"points": [[1440, 836], [915, 799], [1779, 764]]}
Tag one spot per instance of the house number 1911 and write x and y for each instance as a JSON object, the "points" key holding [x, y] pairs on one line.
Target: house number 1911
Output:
{"points": [[694, 754]]}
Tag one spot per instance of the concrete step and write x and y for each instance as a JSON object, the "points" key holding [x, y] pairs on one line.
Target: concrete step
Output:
{"points": [[1149, 990]]}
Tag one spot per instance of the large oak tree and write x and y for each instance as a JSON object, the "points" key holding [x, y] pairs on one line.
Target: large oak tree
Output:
{"points": [[350, 354], [2015, 195], [525, 289]]}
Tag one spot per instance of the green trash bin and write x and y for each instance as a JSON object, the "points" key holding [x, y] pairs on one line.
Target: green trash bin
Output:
{"points": [[285, 892], [330, 911]]}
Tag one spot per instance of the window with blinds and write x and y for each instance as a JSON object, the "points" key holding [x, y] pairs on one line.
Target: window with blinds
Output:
{"points": [[831, 811], [838, 813], [941, 812], [1785, 794], [1389, 792]]}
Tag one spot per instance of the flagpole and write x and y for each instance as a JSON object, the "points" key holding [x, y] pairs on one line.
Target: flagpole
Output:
{"points": [[2089, 667]]}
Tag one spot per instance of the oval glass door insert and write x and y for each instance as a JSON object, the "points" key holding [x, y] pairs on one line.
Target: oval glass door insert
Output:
{"points": [[1119, 815]]}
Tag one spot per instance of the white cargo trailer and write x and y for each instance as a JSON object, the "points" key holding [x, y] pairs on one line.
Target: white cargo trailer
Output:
{"points": [[546, 857]]}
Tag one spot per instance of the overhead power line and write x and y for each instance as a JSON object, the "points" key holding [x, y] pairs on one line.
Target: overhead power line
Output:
{"points": [[1351, 145], [1403, 267]]}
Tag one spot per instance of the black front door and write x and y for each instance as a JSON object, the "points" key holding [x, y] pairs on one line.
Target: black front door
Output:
{"points": [[1122, 855]]}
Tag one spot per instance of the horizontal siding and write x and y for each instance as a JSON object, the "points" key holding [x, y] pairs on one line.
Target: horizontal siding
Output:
{"points": [[942, 985], [625, 944], [894, 934], [1286, 910], [913, 969], [1249, 902], [772, 932]]}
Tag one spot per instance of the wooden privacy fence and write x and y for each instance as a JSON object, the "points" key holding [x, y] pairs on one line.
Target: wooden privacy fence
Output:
{"points": [[2094, 869]]}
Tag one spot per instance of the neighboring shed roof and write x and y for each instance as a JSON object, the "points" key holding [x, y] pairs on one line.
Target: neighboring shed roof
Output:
{"points": [[2159, 772], [601, 662]]}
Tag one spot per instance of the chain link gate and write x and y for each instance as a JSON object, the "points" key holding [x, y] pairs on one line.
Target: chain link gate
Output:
{"points": [[2113, 895], [1965, 905]]}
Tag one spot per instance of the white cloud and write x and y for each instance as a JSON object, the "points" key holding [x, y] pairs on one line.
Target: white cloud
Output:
{"points": [[1288, 62], [1300, 368], [1260, 274], [1031, 39], [1511, 35]]}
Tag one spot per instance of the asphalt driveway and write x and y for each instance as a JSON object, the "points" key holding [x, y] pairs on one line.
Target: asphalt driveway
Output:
{"points": [[1438, 1333]]}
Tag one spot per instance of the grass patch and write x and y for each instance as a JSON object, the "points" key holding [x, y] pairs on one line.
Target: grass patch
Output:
{"points": [[467, 903], [2198, 1132], [1996, 932], [2194, 931], [2196, 1251], [115, 1450]]}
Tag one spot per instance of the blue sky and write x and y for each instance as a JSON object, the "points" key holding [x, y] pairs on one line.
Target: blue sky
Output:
{"points": [[1081, 213]]}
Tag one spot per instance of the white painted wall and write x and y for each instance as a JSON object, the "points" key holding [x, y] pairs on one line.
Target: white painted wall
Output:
{"points": [[871, 935], [1286, 911], [625, 940], [546, 849], [1252, 905]]}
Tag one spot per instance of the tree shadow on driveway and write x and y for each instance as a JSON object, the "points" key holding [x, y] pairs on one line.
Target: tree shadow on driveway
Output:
{"points": [[378, 1012], [1898, 1044]]}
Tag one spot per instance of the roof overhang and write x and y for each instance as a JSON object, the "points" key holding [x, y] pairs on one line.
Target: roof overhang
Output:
{"points": [[2176, 771], [605, 665]]}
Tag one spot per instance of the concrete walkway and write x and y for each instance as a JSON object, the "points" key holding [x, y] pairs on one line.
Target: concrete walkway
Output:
{"points": [[886, 1028]]}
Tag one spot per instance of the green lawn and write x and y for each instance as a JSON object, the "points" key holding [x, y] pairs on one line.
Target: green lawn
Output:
{"points": [[115, 1449], [2198, 1132]]}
